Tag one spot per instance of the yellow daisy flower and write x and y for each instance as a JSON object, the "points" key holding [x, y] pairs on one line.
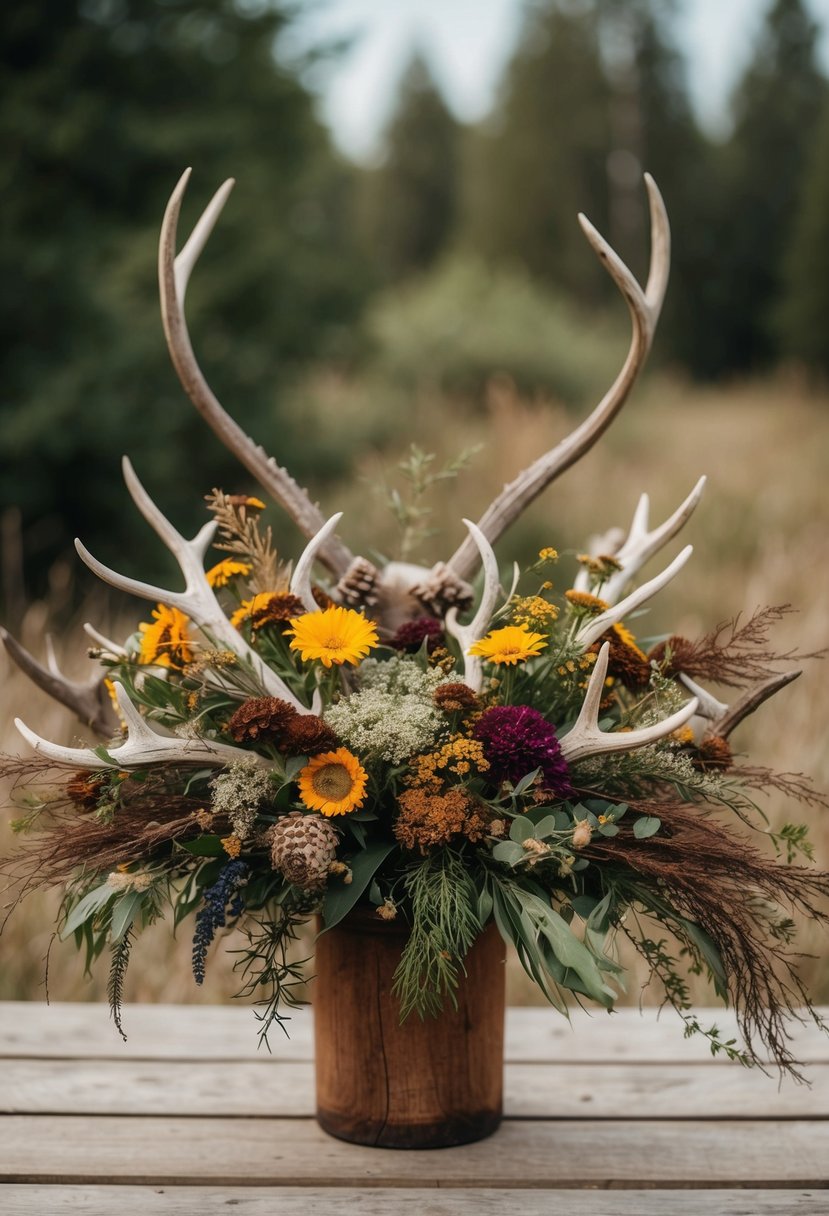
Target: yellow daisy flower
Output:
{"points": [[512, 644], [335, 635], [166, 642], [333, 783], [221, 574]]}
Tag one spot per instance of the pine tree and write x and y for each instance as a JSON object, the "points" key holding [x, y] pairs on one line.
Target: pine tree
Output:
{"points": [[776, 109], [409, 205], [542, 158], [803, 313], [106, 104]]}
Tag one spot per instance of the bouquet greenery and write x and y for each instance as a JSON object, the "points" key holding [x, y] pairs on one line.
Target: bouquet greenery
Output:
{"points": [[283, 745]]}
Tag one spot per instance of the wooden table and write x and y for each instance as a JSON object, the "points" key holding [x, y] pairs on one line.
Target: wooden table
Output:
{"points": [[618, 1116]]}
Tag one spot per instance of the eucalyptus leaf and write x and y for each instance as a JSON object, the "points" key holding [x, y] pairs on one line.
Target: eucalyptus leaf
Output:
{"points": [[124, 913], [521, 829], [91, 903], [646, 825], [203, 846], [525, 782], [546, 827], [508, 852], [484, 908]]}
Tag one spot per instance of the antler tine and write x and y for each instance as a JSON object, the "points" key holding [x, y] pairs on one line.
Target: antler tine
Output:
{"points": [[301, 581], [142, 746], [173, 276], [751, 699], [468, 635], [640, 544], [593, 630], [198, 600], [709, 706], [644, 307], [585, 738], [104, 642], [87, 700]]}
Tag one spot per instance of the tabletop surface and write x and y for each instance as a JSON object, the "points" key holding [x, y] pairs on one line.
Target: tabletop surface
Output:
{"points": [[609, 1116]]}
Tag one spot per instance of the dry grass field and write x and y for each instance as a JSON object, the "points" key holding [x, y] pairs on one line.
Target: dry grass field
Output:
{"points": [[761, 537]]}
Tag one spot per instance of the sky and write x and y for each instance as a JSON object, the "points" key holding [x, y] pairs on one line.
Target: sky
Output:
{"points": [[468, 42]]}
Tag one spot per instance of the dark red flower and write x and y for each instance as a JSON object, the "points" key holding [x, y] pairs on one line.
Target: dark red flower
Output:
{"points": [[518, 739], [412, 634]]}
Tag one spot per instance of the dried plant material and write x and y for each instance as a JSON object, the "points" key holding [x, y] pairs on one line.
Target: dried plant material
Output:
{"points": [[732, 654], [241, 534]]}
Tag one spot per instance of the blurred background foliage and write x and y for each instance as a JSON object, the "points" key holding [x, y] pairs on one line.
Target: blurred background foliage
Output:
{"points": [[455, 259]]}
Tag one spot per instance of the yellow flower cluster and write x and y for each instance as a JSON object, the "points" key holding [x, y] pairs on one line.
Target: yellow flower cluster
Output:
{"points": [[585, 602], [228, 568], [533, 611], [510, 645], [458, 757]]}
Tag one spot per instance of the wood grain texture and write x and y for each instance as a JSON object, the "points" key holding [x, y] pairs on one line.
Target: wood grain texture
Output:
{"points": [[532, 1091], [285, 1152], [333, 1201], [427, 1083], [224, 1032]]}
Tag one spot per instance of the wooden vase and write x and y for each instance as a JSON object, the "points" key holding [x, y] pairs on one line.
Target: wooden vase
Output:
{"points": [[422, 1084]]}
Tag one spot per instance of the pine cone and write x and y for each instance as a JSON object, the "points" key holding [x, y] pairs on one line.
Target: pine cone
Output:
{"points": [[302, 849], [358, 585], [260, 718]]}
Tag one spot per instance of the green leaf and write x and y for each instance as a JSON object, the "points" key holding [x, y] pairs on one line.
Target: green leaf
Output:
{"points": [[102, 754], [91, 903], [546, 827], [203, 846], [521, 830], [648, 825], [584, 905], [508, 852], [484, 908], [525, 782], [293, 766], [124, 913], [608, 829], [340, 897]]}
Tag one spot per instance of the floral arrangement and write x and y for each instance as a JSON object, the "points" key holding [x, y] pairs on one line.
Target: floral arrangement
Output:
{"points": [[281, 745]]}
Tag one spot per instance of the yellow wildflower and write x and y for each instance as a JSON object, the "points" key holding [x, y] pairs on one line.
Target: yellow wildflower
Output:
{"points": [[333, 783], [228, 568], [512, 644], [335, 635], [166, 642]]}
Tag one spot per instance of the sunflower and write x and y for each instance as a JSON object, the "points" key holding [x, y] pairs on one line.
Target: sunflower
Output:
{"points": [[512, 644], [333, 783], [221, 574], [335, 635], [166, 642]]}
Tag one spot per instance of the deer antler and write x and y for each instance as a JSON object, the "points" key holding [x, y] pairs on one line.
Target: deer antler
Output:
{"points": [[142, 746], [173, 276], [468, 635], [198, 600], [597, 625], [726, 718], [585, 738], [640, 544], [88, 700], [645, 307]]}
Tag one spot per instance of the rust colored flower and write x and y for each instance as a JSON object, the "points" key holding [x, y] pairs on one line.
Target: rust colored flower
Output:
{"points": [[712, 754], [261, 718], [455, 698], [626, 662], [268, 608], [427, 820], [673, 655], [84, 789], [308, 735], [585, 602]]}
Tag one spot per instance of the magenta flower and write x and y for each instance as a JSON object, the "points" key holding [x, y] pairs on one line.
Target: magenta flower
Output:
{"points": [[518, 739]]}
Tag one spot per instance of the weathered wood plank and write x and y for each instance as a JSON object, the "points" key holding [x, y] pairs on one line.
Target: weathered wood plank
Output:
{"points": [[284, 1152], [214, 1032], [552, 1091], [332, 1201]]}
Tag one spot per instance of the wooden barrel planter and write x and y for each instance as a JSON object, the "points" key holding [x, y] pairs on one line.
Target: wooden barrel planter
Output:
{"points": [[425, 1084]]}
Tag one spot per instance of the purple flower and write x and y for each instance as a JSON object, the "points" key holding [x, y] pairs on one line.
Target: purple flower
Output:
{"points": [[516, 740], [412, 634]]}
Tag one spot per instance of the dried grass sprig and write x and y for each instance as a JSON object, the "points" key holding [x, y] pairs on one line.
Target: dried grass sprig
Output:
{"points": [[718, 880], [731, 653], [240, 534]]}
